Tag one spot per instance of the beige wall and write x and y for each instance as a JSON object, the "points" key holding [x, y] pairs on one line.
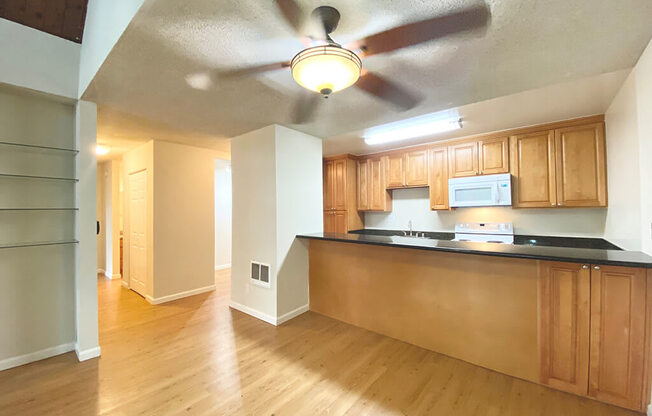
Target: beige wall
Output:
{"points": [[629, 147], [180, 217], [414, 205], [184, 215], [277, 178]]}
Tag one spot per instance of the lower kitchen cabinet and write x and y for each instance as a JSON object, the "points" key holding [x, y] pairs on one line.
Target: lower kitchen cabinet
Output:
{"points": [[564, 312], [335, 222], [617, 355], [592, 334]]}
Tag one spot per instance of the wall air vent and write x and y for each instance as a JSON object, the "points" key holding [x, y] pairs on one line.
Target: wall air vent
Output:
{"points": [[260, 274]]}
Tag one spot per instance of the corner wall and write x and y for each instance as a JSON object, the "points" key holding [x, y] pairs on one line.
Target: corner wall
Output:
{"points": [[629, 147], [276, 195]]}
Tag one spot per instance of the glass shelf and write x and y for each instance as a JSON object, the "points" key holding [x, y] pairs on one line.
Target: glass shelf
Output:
{"points": [[52, 178], [38, 244], [38, 147], [39, 209]]}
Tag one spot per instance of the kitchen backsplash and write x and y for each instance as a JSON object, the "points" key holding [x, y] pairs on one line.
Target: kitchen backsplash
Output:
{"points": [[414, 205]]}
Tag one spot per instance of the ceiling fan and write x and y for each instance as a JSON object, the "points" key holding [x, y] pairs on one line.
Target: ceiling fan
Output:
{"points": [[329, 67]]}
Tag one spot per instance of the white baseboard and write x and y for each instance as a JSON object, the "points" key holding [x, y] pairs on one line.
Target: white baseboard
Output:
{"points": [[35, 356], [292, 314], [101, 271], [169, 298], [268, 318], [87, 354], [113, 276], [223, 266], [125, 283], [253, 312], [649, 410]]}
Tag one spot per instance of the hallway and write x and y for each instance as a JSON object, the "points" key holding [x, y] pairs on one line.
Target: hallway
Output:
{"points": [[196, 356]]}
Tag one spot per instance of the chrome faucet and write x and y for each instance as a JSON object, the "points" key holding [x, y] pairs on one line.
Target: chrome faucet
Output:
{"points": [[410, 234]]}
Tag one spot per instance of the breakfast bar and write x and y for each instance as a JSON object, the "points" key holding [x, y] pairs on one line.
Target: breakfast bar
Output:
{"points": [[540, 313]]}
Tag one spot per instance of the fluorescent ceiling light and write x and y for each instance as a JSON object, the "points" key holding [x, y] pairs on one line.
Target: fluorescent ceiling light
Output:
{"points": [[422, 126], [101, 150]]}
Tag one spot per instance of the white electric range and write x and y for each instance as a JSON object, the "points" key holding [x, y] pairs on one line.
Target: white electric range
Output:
{"points": [[485, 232]]}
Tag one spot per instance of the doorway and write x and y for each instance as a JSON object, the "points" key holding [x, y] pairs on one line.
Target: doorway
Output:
{"points": [[223, 208]]}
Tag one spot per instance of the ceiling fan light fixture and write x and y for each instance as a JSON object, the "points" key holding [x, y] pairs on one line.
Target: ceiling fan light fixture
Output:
{"points": [[326, 69]]}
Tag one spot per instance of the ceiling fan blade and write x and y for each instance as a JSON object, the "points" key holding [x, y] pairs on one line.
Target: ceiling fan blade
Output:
{"points": [[387, 90], [292, 13], [253, 70], [305, 108], [425, 30]]}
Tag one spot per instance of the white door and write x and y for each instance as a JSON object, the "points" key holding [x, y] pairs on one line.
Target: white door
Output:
{"points": [[137, 231]]}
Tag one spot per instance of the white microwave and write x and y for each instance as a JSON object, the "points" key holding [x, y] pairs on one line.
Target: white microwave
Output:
{"points": [[480, 191]]}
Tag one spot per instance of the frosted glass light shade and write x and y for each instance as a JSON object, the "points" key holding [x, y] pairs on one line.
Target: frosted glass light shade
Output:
{"points": [[326, 69]]}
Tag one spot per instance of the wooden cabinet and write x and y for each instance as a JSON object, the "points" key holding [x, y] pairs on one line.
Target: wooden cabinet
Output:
{"points": [[416, 168], [363, 185], [565, 167], [533, 170], [484, 157], [593, 336], [564, 293], [581, 166], [395, 171], [340, 195], [493, 156], [463, 159], [617, 355], [438, 181], [335, 222], [372, 189]]}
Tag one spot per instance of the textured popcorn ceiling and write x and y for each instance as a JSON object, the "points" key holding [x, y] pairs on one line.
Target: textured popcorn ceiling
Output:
{"points": [[162, 68]]}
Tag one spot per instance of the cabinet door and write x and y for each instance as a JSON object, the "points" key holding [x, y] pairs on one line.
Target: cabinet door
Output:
{"points": [[395, 171], [494, 156], [379, 198], [617, 335], [339, 222], [363, 189], [328, 222], [581, 166], [463, 159], [533, 170], [416, 168], [339, 188], [329, 185], [564, 312], [438, 168]]}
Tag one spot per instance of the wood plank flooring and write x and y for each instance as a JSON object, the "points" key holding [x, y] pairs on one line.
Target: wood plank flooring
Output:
{"points": [[195, 356]]}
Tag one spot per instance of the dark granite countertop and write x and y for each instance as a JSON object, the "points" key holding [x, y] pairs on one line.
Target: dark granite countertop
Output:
{"points": [[615, 257]]}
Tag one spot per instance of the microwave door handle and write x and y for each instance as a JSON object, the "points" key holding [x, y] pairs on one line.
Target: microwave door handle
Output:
{"points": [[496, 194]]}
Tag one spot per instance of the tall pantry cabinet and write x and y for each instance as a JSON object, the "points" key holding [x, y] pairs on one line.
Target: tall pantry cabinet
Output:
{"points": [[340, 195]]}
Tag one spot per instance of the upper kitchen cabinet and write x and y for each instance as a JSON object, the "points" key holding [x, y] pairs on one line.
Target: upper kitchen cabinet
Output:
{"points": [[493, 156], [407, 169], [533, 170], [438, 172], [372, 188], [395, 170], [463, 159], [416, 168], [581, 166], [340, 194], [564, 167], [483, 157]]}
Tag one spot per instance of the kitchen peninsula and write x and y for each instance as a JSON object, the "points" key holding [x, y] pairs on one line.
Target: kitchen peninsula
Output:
{"points": [[570, 313]]}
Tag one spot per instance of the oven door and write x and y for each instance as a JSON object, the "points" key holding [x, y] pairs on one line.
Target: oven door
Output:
{"points": [[474, 194]]}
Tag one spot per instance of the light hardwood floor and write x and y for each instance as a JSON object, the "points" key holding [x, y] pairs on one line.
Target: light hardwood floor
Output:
{"points": [[195, 356]]}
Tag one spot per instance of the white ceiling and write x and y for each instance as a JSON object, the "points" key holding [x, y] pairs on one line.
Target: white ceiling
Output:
{"points": [[528, 45]]}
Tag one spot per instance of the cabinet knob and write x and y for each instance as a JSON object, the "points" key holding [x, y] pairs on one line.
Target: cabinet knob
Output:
{"points": [[585, 266], [553, 204], [596, 267], [560, 203], [480, 172]]}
